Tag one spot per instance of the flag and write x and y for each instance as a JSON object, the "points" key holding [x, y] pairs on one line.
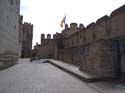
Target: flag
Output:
{"points": [[63, 21]]}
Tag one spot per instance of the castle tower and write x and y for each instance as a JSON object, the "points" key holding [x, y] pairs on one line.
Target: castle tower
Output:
{"points": [[48, 36], [42, 38]]}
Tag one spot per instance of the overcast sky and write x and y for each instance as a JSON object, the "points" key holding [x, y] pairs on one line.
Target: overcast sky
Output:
{"points": [[46, 15]]}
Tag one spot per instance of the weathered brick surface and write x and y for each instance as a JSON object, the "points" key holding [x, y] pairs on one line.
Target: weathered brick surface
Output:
{"points": [[89, 33], [103, 28], [100, 51], [68, 55], [81, 37], [118, 22], [100, 58], [99, 48], [76, 57]]}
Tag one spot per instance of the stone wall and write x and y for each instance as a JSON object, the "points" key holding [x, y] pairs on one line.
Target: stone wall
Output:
{"points": [[45, 51], [27, 35], [100, 58], [9, 31], [118, 22], [47, 48], [9, 25], [100, 47]]}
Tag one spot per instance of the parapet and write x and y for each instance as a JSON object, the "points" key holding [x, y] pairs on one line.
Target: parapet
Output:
{"points": [[90, 25], [54, 36], [118, 11], [48, 36], [66, 26], [104, 18], [73, 26], [42, 36], [81, 26]]}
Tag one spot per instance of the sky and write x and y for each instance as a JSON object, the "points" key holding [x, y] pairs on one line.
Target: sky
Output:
{"points": [[46, 15]]}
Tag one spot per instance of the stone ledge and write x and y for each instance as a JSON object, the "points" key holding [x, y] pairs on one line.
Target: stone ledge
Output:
{"points": [[5, 66], [82, 76]]}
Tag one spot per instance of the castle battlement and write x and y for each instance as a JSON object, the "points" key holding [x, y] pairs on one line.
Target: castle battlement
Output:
{"points": [[98, 49], [104, 28]]}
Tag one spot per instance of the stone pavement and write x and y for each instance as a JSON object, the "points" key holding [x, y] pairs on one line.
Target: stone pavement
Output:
{"points": [[102, 86], [37, 77]]}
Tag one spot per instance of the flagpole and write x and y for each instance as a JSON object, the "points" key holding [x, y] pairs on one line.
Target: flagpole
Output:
{"points": [[65, 21]]}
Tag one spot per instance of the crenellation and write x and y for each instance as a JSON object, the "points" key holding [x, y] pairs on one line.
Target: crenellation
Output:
{"points": [[117, 23], [66, 26], [118, 11], [98, 49], [104, 18], [42, 36], [48, 36], [54, 36], [81, 27], [73, 26]]}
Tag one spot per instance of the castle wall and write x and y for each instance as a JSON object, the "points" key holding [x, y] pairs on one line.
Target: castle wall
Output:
{"points": [[81, 38], [47, 48], [100, 47], [118, 22], [100, 58], [118, 30], [89, 32], [9, 26], [45, 51], [69, 31], [103, 28]]}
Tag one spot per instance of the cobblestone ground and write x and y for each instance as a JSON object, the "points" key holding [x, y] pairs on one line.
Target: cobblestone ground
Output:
{"points": [[27, 77]]}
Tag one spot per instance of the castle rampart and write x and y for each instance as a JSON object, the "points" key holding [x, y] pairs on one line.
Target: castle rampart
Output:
{"points": [[98, 48]]}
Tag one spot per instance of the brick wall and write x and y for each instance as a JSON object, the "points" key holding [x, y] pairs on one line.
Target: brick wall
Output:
{"points": [[100, 47]]}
